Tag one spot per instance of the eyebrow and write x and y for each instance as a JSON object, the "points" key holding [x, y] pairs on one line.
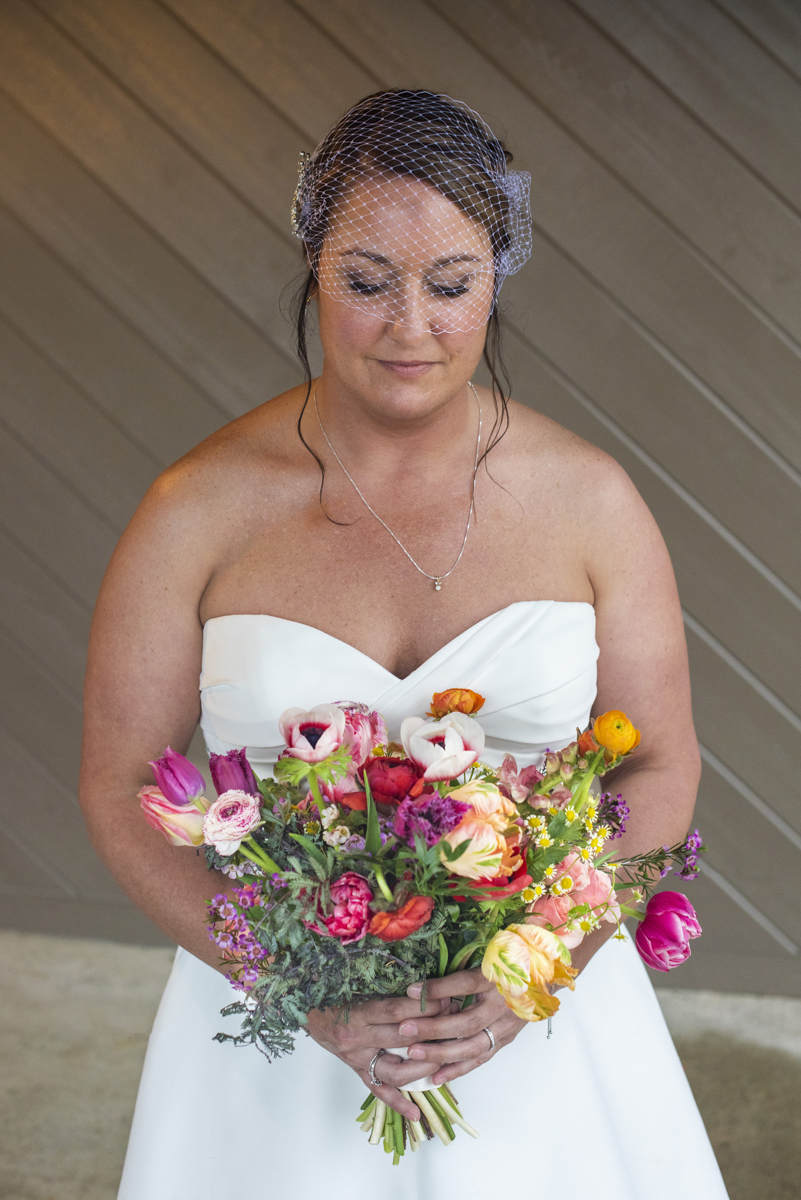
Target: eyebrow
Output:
{"points": [[382, 261]]}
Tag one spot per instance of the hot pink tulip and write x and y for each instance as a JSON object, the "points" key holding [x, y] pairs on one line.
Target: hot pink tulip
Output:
{"points": [[444, 749], [232, 772], [663, 936], [314, 735], [179, 780], [351, 896], [181, 824]]}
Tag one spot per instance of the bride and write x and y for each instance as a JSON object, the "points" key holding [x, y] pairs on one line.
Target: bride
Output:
{"points": [[380, 533]]}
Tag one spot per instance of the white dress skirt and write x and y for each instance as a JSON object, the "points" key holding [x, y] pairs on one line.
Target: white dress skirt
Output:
{"points": [[600, 1111]]}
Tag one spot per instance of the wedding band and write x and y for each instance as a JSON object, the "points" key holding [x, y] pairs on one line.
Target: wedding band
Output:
{"points": [[374, 1081], [490, 1035]]}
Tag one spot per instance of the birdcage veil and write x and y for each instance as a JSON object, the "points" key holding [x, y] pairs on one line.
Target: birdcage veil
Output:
{"points": [[408, 211]]}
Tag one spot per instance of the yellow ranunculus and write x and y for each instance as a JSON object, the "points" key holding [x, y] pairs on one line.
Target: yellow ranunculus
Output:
{"points": [[483, 857], [523, 961], [615, 732]]}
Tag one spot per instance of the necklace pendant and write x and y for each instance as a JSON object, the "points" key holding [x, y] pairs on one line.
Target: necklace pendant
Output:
{"points": [[437, 585]]}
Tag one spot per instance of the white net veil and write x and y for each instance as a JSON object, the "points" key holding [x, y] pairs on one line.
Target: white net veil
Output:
{"points": [[408, 212]]}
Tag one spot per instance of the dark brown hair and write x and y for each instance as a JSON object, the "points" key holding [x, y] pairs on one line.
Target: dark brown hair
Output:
{"points": [[421, 135]]}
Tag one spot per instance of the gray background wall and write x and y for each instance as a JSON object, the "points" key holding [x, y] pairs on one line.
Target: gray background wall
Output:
{"points": [[147, 159]]}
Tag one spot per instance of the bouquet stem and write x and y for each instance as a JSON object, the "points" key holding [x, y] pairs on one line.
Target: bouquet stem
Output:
{"points": [[439, 1113]]}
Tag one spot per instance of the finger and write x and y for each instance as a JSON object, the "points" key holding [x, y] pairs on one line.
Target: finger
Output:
{"points": [[461, 983], [451, 1025], [393, 1010], [461, 1050], [392, 1097], [455, 1070]]}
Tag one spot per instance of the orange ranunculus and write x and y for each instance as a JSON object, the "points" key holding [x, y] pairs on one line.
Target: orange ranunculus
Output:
{"points": [[392, 926], [461, 700], [587, 744], [615, 732]]}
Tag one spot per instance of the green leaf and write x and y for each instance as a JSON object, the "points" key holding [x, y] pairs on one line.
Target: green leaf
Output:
{"points": [[315, 855], [452, 855], [443, 955], [372, 837]]}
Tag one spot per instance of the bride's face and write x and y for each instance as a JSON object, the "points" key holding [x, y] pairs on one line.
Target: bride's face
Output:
{"points": [[405, 291]]}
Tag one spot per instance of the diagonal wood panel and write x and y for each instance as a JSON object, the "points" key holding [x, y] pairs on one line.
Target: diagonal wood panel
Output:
{"points": [[147, 160]]}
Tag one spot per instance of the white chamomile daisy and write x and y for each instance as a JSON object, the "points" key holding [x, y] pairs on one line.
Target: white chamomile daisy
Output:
{"points": [[536, 822], [544, 841], [570, 815]]}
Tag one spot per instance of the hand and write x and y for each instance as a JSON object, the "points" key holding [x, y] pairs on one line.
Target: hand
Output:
{"points": [[455, 1058], [374, 1026]]}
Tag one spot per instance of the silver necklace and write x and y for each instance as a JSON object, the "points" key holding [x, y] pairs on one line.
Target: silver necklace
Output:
{"points": [[437, 579]]}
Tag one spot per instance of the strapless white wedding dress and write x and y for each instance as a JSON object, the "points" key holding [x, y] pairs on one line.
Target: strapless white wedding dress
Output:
{"points": [[601, 1111]]}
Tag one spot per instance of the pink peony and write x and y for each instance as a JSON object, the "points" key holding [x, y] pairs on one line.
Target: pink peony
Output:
{"points": [[597, 893], [365, 731], [444, 749], [663, 936], [351, 896], [313, 736], [576, 868], [553, 910], [229, 821], [181, 824]]}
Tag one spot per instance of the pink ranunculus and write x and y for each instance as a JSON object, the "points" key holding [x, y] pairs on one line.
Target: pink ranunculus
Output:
{"points": [[444, 749], [598, 892], [181, 824], [553, 910], [178, 779], [365, 730], [351, 896], [232, 772], [663, 936], [314, 735], [229, 821], [517, 785]]}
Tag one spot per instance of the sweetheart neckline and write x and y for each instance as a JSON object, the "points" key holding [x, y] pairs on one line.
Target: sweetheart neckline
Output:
{"points": [[399, 679]]}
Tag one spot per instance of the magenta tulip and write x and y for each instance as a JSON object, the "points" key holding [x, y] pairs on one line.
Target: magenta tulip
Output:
{"points": [[663, 936], [180, 782], [232, 772]]}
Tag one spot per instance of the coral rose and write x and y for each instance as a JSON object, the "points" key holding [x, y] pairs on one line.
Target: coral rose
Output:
{"points": [[391, 779], [663, 936], [230, 820], [314, 735], [461, 700], [392, 926], [443, 749], [181, 824], [351, 896], [615, 733]]}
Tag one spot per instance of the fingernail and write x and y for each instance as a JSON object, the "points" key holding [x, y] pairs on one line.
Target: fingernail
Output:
{"points": [[415, 991], [408, 1029], [417, 1053]]}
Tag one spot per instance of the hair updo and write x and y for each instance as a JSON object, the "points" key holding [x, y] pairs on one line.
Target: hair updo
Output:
{"points": [[428, 137]]}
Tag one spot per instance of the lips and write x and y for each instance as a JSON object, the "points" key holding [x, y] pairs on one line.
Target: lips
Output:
{"points": [[406, 369]]}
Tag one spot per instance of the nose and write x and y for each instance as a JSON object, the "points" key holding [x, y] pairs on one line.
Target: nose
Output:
{"points": [[409, 318]]}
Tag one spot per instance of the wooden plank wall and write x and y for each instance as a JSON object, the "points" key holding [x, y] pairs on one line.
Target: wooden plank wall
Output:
{"points": [[147, 159]]}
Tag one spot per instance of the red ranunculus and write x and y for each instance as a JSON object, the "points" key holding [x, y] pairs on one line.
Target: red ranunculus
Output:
{"points": [[392, 926], [391, 779]]}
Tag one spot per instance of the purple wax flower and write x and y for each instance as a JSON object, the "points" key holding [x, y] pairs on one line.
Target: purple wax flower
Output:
{"points": [[232, 772], [430, 815]]}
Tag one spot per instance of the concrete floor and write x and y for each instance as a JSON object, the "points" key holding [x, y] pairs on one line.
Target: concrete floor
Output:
{"points": [[75, 1020]]}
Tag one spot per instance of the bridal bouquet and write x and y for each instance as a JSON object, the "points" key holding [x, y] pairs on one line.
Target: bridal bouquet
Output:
{"points": [[362, 866]]}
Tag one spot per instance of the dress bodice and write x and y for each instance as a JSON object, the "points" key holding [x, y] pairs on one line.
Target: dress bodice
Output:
{"points": [[534, 662]]}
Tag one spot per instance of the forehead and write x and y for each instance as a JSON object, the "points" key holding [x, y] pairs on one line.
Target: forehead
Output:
{"points": [[399, 216]]}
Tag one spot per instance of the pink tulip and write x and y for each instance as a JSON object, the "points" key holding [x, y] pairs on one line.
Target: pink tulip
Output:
{"points": [[663, 936], [365, 731], [181, 824], [444, 749], [179, 780], [232, 772], [313, 736]]}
